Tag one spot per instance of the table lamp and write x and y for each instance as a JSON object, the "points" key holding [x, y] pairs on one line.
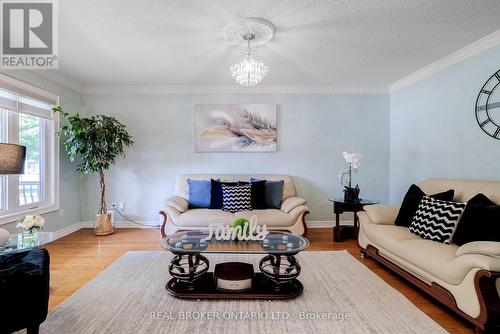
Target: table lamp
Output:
{"points": [[12, 158], [11, 162]]}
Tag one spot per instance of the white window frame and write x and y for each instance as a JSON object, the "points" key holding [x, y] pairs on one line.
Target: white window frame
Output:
{"points": [[49, 192]]}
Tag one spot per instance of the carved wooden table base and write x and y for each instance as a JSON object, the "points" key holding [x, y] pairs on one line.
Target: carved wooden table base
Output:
{"points": [[277, 279]]}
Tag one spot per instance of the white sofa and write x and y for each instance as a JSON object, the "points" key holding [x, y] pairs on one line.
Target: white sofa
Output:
{"points": [[177, 216], [466, 278]]}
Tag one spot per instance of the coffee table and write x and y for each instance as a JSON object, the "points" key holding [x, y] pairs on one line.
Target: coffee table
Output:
{"points": [[277, 278]]}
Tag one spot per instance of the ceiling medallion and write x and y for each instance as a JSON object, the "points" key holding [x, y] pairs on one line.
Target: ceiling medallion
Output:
{"points": [[249, 69]]}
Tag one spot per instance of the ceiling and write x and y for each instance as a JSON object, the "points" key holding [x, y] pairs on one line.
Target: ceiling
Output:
{"points": [[317, 42]]}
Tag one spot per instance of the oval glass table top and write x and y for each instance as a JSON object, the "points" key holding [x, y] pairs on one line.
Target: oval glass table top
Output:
{"points": [[276, 242]]}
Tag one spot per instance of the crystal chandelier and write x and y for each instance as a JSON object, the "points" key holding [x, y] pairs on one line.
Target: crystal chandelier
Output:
{"points": [[249, 69]]}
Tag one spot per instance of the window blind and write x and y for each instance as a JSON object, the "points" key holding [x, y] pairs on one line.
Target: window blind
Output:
{"points": [[25, 104]]}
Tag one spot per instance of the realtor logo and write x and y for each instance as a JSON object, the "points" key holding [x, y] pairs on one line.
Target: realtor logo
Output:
{"points": [[29, 34]]}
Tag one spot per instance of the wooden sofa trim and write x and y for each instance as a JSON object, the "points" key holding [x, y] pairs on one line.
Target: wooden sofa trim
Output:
{"points": [[165, 219], [484, 282], [304, 222], [162, 228]]}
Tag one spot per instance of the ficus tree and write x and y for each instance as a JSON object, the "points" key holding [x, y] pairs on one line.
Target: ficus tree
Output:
{"points": [[94, 142]]}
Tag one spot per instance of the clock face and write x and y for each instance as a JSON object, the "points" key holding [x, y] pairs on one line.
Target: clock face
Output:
{"points": [[488, 106]]}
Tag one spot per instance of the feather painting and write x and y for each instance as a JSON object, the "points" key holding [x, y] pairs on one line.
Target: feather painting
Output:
{"points": [[235, 127]]}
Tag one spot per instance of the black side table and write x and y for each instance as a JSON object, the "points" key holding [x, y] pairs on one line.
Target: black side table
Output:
{"points": [[341, 233]]}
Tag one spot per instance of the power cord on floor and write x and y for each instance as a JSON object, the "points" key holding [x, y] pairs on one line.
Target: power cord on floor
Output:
{"points": [[133, 221]]}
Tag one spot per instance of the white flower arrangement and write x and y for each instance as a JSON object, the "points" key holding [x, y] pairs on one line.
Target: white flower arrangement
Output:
{"points": [[353, 160], [31, 222]]}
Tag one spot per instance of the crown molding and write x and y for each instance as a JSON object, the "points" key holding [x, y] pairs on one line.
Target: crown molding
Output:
{"points": [[208, 89], [51, 75], [464, 53], [233, 89]]}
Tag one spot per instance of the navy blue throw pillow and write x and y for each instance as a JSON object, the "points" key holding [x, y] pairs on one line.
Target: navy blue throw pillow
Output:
{"points": [[258, 194], [216, 198], [412, 200], [480, 221]]}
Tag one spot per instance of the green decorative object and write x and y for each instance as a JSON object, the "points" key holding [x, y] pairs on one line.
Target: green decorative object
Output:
{"points": [[96, 142], [241, 222]]}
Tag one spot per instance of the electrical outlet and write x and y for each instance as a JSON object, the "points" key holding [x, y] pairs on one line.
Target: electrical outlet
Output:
{"points": [[118, 206]]}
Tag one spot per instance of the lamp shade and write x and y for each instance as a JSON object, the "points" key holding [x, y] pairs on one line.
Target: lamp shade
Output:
{"points": [[12, 158]]}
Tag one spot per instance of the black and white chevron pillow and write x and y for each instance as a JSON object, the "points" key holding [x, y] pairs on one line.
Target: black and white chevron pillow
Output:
{"points": [[436, 220], [237, 198]]}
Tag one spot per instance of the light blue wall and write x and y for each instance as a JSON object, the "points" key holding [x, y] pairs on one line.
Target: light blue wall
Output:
{"points": [[314, 130], [434, 131], [71, 101]]}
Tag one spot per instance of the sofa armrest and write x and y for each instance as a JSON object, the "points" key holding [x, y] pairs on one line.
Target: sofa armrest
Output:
{"points": [[178, 203], [382, 214], [488, 248], [291, 203]]}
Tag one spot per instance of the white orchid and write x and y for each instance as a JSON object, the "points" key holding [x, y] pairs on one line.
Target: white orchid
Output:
{"points": [[352, 158], [31, 221]]}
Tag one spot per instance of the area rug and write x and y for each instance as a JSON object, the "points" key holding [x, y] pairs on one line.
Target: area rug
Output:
{"points": [[341, 295]]}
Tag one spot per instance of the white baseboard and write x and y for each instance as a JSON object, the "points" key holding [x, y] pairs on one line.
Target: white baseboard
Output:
{"points": [[320, 223], [51, 236], [125, 224]]}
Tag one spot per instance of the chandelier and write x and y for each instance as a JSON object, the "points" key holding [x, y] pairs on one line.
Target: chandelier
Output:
{"points": [[249, 69]]}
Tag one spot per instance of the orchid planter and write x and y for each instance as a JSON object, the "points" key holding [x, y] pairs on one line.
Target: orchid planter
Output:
{"points": [[353, 160]]}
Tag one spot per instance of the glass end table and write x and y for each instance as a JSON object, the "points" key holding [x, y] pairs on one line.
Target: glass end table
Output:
{"points": [[343, 232], [278, 267], [16, 245]]}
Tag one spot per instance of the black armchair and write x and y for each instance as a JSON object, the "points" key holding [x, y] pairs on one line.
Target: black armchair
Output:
{"points": [[24, 290]]}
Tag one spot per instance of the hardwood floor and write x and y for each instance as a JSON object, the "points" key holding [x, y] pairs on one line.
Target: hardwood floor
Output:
{"points": [[80, 256]]}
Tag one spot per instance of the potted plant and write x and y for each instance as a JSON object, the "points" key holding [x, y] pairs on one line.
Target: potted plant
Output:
{"points": [[95, 141], [353, 161]]}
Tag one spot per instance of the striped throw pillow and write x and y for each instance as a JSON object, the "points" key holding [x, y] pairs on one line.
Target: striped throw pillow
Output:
{"points": [[436, 220], [237, 198]]}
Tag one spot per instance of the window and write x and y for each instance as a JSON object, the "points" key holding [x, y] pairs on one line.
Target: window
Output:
{"points": [[26, 118]]}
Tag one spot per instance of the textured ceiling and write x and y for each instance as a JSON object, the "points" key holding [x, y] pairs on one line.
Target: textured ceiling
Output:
{"points": [[166, 42]]}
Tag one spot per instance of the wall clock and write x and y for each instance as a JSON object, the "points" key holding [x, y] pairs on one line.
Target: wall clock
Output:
{"points": [[488, 106]]}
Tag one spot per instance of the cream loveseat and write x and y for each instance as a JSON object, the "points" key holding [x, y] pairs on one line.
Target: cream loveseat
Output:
{"points": [[177, 216], [466, 278]]}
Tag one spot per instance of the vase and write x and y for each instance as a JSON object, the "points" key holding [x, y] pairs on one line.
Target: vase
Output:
{"points": [[30, 238], [351, 194], [103, 224]]}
